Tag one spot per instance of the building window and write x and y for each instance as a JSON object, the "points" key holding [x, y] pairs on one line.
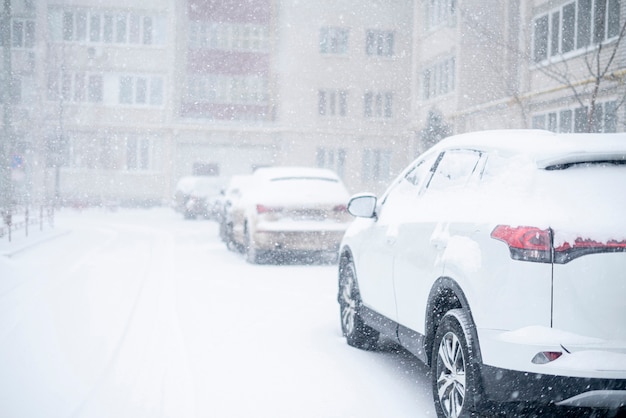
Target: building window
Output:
{"points": [[332, 102], [140, 90], [575, 25], [82, 25], [440, 13], [378, 42], [332, 158], [378, 104], [376, 165], [439, 78], [334, 40], [15, 92], [138, 154], [580, 119], [577, 120], [94, 89], [228, 36], [75, 87], [22, 33], [227, 89]]}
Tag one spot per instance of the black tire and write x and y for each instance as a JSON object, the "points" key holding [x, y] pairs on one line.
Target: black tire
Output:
{"points": [[455, 372], [357, 333], [229, 239], [252, 253]]}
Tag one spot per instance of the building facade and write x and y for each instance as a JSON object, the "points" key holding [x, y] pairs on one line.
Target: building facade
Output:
{"points": [[545, 64], [117, 101]]}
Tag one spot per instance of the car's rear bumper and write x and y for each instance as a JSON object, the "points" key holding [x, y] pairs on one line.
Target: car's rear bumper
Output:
{"points": [[515, 386], [590, 372], [298, 240]]}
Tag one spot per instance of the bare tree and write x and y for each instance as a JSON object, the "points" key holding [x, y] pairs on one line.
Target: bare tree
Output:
{"points": [[600, 71], [436, 129]]}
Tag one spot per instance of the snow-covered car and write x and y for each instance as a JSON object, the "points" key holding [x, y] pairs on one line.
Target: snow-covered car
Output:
{"points": [[291, 210], [194, 196], [230, 198], [498, 258]]}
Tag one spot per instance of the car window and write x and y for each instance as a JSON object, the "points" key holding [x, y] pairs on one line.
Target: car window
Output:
{"points": [[454, 169], [420, 172], [412, 183]]}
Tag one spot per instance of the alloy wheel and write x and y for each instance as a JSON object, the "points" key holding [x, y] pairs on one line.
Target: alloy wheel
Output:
{"points": [[348, 304], [451, 375]]}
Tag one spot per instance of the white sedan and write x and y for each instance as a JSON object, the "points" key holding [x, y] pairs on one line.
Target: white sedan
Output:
{"points": [[291, 210]]}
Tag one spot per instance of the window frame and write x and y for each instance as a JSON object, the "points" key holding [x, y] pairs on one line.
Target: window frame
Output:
{"points": [[380, 43], [572, 27], [334, 40]]}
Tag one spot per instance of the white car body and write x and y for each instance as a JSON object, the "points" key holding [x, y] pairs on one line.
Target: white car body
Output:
{"points": [[291, 209], [451, 230]]}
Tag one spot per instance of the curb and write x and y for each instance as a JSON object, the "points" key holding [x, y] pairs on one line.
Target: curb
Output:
{"points": [[23, 246]]}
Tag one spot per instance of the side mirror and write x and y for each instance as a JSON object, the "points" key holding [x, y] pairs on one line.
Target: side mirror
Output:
{"points": [[363, 205]]}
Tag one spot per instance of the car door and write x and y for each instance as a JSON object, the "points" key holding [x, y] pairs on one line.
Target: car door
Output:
{"points": [[375, 266], [424, 231]]}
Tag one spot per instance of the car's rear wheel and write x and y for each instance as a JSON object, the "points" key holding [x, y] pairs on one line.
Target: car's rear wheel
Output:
{"points": [[357, 333], [252, 253], [457, 388]]}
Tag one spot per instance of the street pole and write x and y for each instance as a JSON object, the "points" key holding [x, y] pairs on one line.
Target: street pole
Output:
{"points": [[6, 96]]}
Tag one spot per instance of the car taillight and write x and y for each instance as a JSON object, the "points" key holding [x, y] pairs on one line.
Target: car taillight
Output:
{"points": [[266, 209], [566, 251], [340, 208], [545, 357], [526, 243]]}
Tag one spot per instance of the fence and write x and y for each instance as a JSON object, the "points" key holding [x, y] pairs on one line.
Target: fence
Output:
{"points": [[19, 219]]}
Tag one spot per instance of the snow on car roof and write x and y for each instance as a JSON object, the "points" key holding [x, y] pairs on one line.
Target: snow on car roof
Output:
{"points": [[274, 173], [544, 147], [284, 186], [199, 184]]}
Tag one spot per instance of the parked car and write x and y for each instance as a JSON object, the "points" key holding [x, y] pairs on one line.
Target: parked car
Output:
{"points": [[194, 196], [499, 259], [230, 198], [291, 210]]}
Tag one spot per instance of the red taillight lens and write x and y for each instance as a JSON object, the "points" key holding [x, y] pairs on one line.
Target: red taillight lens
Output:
{"points": [[588, 243], [263, 209], [526, 243], [567, 251], [545, 357], [260, 209], [534, 244], [340, 208]]}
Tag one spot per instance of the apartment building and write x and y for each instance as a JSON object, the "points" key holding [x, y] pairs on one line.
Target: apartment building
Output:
{"points": [[291, 82], [579, 43], [343, 79], [224, 121], [546, 64], [117, 101]]}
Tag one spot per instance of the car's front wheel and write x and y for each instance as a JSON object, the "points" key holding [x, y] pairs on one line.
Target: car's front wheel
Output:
{"points": [[357, 333], [457, 388]]}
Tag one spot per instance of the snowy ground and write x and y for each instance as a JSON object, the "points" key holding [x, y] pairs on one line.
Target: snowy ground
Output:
{"points": [[139, 313]]}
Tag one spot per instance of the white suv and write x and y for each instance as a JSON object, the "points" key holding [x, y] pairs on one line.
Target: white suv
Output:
{"points": [[499, 259]]}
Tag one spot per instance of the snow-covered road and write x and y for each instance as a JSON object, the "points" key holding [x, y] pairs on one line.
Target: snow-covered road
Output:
{"points": [[139, 313]]}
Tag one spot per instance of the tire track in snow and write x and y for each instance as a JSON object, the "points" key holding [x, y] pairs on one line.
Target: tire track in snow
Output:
{"points": [[147, 374]]}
